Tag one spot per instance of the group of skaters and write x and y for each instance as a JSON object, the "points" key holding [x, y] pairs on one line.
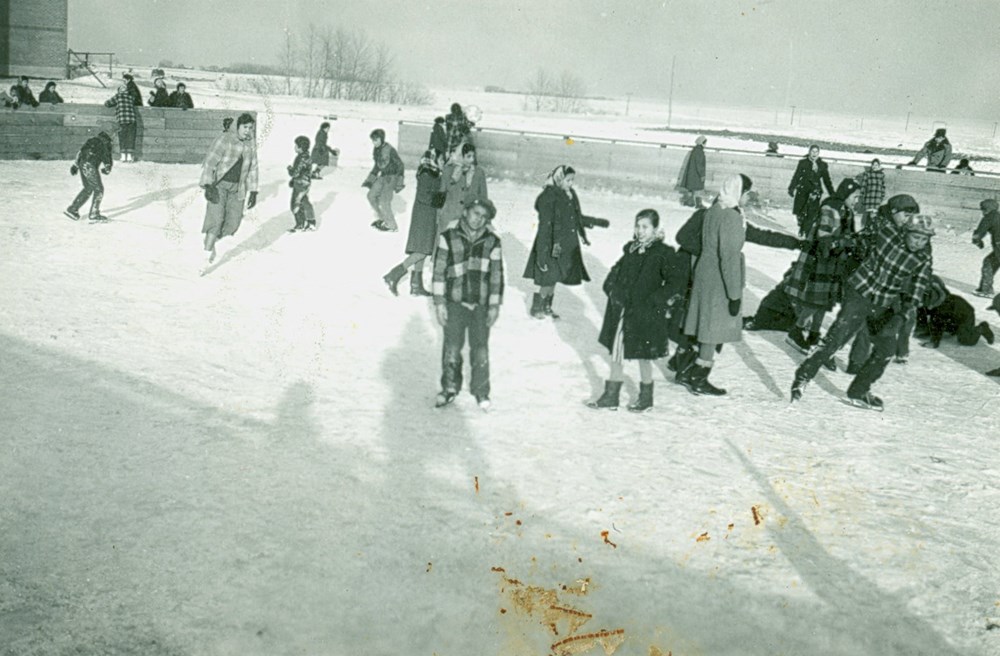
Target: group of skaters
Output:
{"points": [[879, 273]]}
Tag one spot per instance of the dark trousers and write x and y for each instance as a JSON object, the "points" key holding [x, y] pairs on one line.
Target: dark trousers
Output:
{"points": [[862, 347], [460, 320], [854, 313], [126, 137], [302, 209], [92, 184], [991, 263]]}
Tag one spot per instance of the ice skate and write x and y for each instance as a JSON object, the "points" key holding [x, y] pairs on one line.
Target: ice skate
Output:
{"points": [[444, 398], [484, 403], [73, 214], [609, 399], [798, 386], [866, 401]]}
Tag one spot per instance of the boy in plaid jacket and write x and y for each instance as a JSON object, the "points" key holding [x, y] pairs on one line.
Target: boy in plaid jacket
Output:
{"points": [[301, 172], [895, 273], [468, 289]]}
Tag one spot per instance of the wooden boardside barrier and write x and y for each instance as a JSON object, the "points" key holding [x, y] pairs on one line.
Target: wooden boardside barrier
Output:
{"points": [[56, 132], [633, 167]]}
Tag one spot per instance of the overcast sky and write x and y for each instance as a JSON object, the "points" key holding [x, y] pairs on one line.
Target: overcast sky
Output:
{"points": [[934, 57]]}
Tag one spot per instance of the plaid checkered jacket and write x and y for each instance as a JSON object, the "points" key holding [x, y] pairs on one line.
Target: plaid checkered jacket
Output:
{"points": [[301, 172], [872, 189], [466, 271], [226, 149], [124, 107], [890, 274]]}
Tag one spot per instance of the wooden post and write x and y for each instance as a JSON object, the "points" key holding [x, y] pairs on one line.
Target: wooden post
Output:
{"points": [[670, 101]]}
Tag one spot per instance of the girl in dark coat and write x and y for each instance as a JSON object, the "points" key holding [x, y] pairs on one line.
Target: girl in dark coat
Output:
{"points": [[693, 177], [158, 96], [321, 151], [642, 287], [555, 255], [439, 138], [50, 95], [806, 188], [423, 227]]}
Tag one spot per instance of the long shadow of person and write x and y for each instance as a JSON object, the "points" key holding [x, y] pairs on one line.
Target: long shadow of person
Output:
{"points": [[876, 618], [160, 195], [574, 328]]}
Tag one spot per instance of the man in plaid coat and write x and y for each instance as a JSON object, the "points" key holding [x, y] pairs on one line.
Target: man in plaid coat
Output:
{"points": [[894, 274], [468, 289], [227, 175], [126, 117]]}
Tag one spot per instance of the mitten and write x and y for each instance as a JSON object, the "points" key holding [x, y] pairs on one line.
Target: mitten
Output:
{"points": [[978, 242], [291, 183], [734, 307], [106, 170], [212, 194], [73, 170]]}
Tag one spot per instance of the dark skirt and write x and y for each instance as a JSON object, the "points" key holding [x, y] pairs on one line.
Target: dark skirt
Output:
{"points": [[423, 230]]}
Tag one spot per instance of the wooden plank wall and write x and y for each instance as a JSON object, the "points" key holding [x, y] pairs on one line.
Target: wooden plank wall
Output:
{"points": [[629, 167], [56, 132]]}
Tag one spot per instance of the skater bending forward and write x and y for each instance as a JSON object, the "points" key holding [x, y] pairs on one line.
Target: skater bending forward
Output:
{"points": [[888, 285], [93, 159], [468, 289], [642, 287]]}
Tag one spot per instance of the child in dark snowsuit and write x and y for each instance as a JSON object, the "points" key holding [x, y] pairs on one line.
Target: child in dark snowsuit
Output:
{"points": [[301, 172], [947, 313], [93, 159], [989, 225]]}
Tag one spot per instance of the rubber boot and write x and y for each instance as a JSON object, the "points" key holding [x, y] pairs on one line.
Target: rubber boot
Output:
{"points": [[684, 361], [417, 284], [645, 401], [548, 307], [537, 306], [697, 382], [986, 332], [608, 400], [393, 277]]}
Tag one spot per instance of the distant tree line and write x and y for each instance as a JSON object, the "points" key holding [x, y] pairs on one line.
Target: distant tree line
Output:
{"points": [[327, 63], [563, 92]]}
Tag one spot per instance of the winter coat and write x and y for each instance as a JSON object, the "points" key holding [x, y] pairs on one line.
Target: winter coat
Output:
{"points": [[423, 222], [775, 312], [160, 98], [95, 151], [457, 130], [459, 193], [51, 97], [694, 173], [642, 287], [817, 278], [989, 225], [181, 100], [226, 150], [807, 185], [938, 154], [555, 255], [719, 275], [321, 152], [133, 90], [301, 172], [387, 164], [955, 316], [9, 100], [26, 96], [124, 107], [439, 139], [872, 185]]}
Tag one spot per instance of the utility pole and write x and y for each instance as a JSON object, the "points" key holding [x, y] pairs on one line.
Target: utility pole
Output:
{"points": [[791, 121], [907, 128], [628, 100], [670, 101], [994, 130]]}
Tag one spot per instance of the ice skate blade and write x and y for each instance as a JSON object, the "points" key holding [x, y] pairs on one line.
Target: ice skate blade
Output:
{"points": [[858, 403]]}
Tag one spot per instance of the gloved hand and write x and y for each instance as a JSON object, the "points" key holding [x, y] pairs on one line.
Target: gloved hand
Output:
{"points": [[253, 200], [336, 152], [583, 238], [978, 242], [791, 193], [291, 183], [556, 250], [289, 169], [211, 194], [106, 170], [73, 170], [734, 307]]}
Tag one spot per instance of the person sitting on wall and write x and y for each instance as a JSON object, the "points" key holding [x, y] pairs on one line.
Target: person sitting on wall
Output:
{"points": [[50, 95], [24, 92], [937, 151], [963, 168], [133, 89], [158, 96], [12, 99], [772, 149], [180, 98]]}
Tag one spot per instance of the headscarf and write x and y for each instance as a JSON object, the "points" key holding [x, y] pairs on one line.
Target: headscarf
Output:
{"points": [[700, 141], [556, 177], [427, 163], [732, 191]]}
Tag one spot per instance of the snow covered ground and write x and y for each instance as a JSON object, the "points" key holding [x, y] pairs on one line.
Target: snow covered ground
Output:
{"points": [[248, 462]]}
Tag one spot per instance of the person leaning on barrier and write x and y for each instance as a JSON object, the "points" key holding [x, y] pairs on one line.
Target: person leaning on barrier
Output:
{"points": [[10, 100], [50, 95], [158, 96], [24, 92], [937, 150], [133, 89], [180, 98]]}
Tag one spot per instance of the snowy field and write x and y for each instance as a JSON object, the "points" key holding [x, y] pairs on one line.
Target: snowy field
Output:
{"points": [[248, 462]]}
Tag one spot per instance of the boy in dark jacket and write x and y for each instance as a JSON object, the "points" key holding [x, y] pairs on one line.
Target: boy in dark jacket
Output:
{"points": [[158, 96], [384, 180], [946, 313], [50, 95], [806, 187], [937, 150], [468, 289], [301, 172], [24, 92], [93, 159], [180, 98], [989, 225]]}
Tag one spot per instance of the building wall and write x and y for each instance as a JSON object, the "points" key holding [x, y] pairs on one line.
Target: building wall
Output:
{"points": [[33, 39]]}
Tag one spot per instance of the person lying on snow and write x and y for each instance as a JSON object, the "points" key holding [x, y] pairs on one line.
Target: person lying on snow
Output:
{"points": [[946, 313]]}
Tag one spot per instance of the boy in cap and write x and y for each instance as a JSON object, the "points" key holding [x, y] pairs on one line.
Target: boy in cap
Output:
{"points": [[468, 289], [895, 273], [93, 159], [989, 225]]}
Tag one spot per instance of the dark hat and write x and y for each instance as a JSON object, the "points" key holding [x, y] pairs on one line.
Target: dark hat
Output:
{"points": [[940, 132], [485, 203], [921, 224], [747, 184], [846, 187], [128, 76], [903, 203], [989, 205]]}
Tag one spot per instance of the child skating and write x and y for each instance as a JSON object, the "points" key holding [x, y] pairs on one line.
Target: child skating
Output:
{"points": [[93, 159], [301, 172], [989, 225]]}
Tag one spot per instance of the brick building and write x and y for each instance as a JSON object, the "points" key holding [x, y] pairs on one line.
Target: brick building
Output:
{"points": [[33, 38]]}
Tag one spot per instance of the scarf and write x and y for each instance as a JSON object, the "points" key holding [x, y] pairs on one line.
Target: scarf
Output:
{"points": [[556, 177], [732, 190], [639, 246]]}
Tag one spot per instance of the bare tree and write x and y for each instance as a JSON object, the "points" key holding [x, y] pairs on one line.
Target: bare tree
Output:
{"points": [[570, 91], [540, 88], [287, 62]]}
